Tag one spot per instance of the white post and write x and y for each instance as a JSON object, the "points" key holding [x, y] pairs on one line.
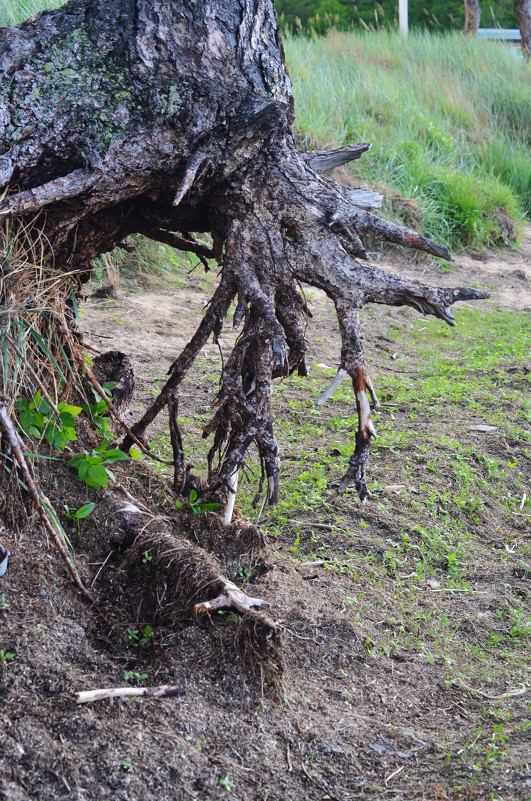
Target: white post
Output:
{"points": [[402, 17]]}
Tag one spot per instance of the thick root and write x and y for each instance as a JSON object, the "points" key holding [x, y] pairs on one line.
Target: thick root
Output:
{"points": [[296, 227]]}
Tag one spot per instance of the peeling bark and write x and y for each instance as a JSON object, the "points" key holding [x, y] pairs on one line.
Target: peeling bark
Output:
{"points": [[124, 116]]}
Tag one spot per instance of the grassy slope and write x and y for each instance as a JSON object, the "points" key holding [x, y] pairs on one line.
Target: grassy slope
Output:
{"points": [[14, 11], [449, 119]]}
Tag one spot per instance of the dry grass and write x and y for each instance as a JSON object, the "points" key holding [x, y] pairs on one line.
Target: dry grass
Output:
{"points": [[37, 306]]}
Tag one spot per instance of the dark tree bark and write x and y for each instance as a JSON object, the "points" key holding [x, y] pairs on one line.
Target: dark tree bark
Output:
{"points": [[522, 10], [163, 118], [472, 17]]}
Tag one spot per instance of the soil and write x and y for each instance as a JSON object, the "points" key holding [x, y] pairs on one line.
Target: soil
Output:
{"points": [[345, 721]]}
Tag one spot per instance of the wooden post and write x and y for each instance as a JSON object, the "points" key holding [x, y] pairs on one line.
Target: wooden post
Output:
{"points": [[402, 17]]}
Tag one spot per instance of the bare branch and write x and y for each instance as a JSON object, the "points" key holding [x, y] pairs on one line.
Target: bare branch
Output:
{"points": [[31, 200], [324, 160], [163, 691]]}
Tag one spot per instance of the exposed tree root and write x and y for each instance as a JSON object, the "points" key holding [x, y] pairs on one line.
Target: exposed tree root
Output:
{"points": [[296, 228], [188, 145], [187, 583]]}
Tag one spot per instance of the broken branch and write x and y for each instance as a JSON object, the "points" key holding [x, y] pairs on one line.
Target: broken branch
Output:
{"points": [[163, 691]]}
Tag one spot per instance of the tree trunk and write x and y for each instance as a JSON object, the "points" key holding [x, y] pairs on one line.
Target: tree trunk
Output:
{"points": [[472, 17], [124, 116], [522, 10]]}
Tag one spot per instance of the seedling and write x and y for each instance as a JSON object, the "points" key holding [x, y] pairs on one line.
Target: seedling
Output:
{"points": [[3, 603], [195, 503], [81, 513], [38, 419], [130, 674], [453, 566], [93, 469], [5, 656], [136, 637], [226, 783]]}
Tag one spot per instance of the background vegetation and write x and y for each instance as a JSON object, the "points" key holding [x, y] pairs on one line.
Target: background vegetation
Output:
{"points": [[448, 117], [435, 15]]}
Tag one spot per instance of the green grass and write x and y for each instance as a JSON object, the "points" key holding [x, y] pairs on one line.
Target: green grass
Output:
{"points": [[12, 12], [449, 119]]}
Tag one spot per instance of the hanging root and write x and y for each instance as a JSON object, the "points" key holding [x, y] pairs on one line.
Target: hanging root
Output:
{"points": [[295, 227]]}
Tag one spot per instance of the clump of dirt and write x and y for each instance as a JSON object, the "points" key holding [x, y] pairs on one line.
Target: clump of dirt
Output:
{"points": [[340, 713]]}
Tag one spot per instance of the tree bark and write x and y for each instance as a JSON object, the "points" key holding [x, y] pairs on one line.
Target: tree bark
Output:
{"points": [[472, 17], [522, 10], [124, 116]]}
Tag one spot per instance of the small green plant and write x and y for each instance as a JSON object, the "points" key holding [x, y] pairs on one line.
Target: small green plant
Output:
{"points": [[135, 638], [3, 603], [146, 558], [79, 514], [453, 565], [38, 419], [126, 765], [5, 656], [93, 469], [244, 575], [195, 503], [130, 674], [226, 783]]}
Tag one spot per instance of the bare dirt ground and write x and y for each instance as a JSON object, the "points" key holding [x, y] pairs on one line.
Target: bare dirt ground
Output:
{"points": [[350, 719]]}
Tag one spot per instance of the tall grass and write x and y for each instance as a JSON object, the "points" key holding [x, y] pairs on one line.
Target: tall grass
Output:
{"points": [[449, 118], [14, 11]]}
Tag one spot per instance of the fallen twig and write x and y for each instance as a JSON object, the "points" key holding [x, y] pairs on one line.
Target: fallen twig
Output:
{"points": [[509, 694], [163, 691], [395, 773]]}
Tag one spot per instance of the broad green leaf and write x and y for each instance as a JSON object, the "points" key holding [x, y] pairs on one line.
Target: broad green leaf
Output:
{"points": [[85, 511], [98, 474], [73, 410], [26, 419], [114, 455]]}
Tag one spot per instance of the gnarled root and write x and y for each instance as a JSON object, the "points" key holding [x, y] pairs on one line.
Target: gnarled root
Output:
{"points": [[295, 227]]}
